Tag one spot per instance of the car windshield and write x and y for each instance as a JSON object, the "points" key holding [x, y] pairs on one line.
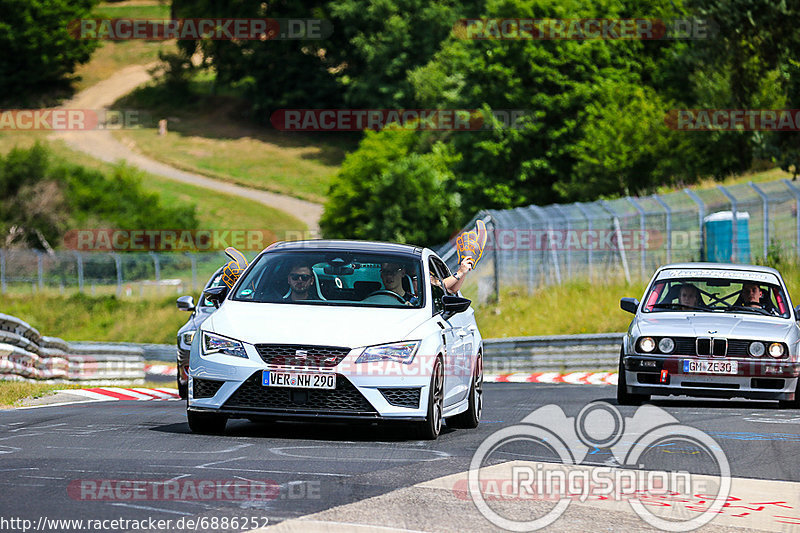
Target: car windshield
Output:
{"points": [[333, 278], [713, 294]]}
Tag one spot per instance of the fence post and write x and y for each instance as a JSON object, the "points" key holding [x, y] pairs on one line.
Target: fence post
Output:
{"points": [[530, 268], [734, 223], [553, 253], [193, 259], [765, 217], [156, 265], [585, 213], [495, 257], [663, 204], [643, 230], [560, 209], [796, 193], [620, 245], [40, 268], [3, 271], [701, 215], [118, 263], [79, 261]]}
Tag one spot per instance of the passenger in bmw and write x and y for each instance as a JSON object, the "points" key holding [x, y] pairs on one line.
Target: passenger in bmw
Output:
{"points": [[751, 295], [301, 284], [689, 297]]}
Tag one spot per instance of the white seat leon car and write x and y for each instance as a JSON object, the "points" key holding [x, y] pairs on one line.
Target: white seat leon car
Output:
{"points": [[341, 330]]}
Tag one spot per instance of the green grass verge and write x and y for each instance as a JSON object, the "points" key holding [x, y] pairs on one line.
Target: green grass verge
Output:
{"points": [[207, 134], [81, 317]]}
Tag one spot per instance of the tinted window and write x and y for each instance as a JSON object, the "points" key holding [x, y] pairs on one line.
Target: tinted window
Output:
{"points": [[333, 278]]}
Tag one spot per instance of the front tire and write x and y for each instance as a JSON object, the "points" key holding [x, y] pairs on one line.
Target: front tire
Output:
{"points": [[623, 396], [183, 389], [432, 426], [206, 423], [470, 418]]}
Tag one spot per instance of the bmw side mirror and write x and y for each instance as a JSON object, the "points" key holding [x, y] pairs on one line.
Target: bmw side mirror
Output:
{"points": [[216, 294], [185, 303], [454, 305], [797, 313], [629, 304]]}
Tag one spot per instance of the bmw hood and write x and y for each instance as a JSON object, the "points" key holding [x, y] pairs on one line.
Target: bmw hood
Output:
{"points": [[718, 325], [351, 327]]}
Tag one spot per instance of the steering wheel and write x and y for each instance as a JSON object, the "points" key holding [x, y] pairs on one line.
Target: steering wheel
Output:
{"points": [[387, 293]]}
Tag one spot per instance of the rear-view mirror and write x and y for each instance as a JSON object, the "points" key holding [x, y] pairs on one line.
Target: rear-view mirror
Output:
{"points": [[216, 294], [185, 303], [629, 304]]}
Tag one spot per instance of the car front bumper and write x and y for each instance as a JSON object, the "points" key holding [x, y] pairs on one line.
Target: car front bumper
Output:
{"points": [[755, 379]]}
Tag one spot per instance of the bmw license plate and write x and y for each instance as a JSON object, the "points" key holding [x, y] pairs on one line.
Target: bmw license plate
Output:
{"points": [[296, 380], [710, 367]]}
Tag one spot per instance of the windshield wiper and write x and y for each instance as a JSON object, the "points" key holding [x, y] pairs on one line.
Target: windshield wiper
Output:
{"points": [[680, 307], [758, 310]]}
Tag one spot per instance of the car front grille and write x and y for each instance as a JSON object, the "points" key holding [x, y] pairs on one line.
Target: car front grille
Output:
{"points": [[405, 397], [344, 399], [301, 355], [205, 388]]}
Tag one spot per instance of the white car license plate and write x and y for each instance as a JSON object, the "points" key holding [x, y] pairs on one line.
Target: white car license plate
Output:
{"points": [[295, 380], [710, 367]]}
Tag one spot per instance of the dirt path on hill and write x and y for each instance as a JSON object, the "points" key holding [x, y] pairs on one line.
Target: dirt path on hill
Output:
{"points": [[102, 145]]}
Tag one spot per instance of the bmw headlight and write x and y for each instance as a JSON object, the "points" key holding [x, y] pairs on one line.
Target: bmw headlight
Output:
{"points": [[188, 337], [776, 349], [399, 352], [666, 345], [647, 344], [217, 344], [756, 349]]}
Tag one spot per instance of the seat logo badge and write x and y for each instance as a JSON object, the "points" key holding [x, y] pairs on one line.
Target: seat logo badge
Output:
{"points": [[301, 354]]}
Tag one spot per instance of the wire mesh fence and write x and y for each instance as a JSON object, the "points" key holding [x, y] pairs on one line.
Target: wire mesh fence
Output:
{"points": [[631, 237]]}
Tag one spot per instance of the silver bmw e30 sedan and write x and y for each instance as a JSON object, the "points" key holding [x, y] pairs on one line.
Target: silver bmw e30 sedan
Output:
{"points": [[714, 330]]}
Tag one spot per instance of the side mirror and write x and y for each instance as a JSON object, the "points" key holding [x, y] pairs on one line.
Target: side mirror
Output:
{"points": [[216, 294], [454, 305], [185, 303], [629, 304], [797, 313]]}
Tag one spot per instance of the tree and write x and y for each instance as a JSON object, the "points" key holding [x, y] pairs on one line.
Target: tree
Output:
{"points": [[39, 52], [386, 192]]}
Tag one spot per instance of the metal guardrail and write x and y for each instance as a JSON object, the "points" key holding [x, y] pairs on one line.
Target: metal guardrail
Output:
{"points": [[26, 355], [556, 353], [596, 351]]}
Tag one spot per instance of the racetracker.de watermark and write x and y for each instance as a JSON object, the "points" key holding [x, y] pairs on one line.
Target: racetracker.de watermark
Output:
{"points": [[215, 29], [583, 29], [167, 240], [73, 119], [418, 119], [497, 474], [733, 119]]}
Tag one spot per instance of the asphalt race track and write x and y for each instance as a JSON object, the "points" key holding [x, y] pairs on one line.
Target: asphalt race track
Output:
{"points": [[54, 461]]}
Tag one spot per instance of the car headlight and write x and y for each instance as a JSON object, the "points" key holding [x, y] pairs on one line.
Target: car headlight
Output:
{"points": [[399, 352], [776, 349], [188, 337], [217, 344], [647, 344], [756, 349], [666, 345]]}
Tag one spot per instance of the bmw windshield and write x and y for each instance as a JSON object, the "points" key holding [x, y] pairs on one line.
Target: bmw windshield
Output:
{"points": [[333, 278], [718, 291]]}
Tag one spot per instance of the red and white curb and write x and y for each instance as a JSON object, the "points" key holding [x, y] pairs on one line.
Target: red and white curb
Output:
{"points": [[161, 370], [119, 393], [572, 378]]}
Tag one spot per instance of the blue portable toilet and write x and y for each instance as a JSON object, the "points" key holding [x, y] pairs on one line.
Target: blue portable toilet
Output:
{"points": [[719, 234]]}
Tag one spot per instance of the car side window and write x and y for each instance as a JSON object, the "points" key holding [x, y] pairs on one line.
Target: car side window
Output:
{"points": [[436, 286]]}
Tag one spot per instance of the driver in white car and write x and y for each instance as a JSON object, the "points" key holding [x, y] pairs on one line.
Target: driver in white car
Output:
{"points": [[392, 275], [301, 284]]}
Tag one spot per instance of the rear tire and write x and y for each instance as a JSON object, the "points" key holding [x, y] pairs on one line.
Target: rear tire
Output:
{"points": [[623, 396], [432, 426], [470, 418], [206, 423]]}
